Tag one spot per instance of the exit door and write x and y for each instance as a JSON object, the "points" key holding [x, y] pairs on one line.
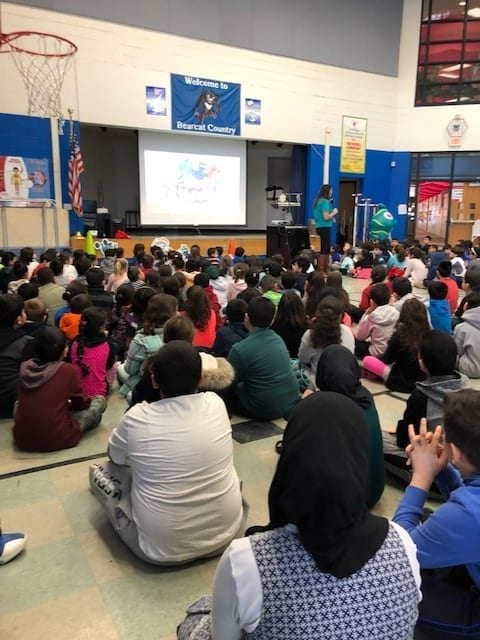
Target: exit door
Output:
{"points": [[345, 204]]}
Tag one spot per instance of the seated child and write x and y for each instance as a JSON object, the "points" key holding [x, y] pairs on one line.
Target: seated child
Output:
{"points": [[363, 264], [289, 282], [70, 322], [379, 274], [335, 256], [398, 366], [118, 326], [416, 269], [380, 255], [347, 263], [217, 372], [15, 347], [53, 409], [234, 328], [300, 267], [36, 313], [171, 464], [447, 541], [438, 307], [401, 292], [467, 337], [271, 289], [458, 263], [91, 353], [377, 323], [438, 359], [444, 274]]}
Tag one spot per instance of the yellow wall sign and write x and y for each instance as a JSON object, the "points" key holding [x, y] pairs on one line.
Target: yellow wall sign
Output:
{"points": [[354, 145]]}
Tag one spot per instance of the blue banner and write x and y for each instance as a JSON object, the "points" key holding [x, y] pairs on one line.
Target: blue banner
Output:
{"points": [[200, 105]]}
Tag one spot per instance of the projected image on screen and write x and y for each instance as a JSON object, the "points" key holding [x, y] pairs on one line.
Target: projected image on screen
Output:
{"points": [[192, 188], [191, 180]]}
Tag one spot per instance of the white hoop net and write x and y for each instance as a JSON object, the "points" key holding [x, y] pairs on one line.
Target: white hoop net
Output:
{"points": [[43, 60]]}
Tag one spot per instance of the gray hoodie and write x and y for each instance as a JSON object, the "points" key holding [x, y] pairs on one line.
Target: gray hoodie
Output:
{"points": [[467, 337], [435, 389]]}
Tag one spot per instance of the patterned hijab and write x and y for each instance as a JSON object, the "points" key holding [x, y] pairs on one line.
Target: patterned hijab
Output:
{"points": [[321, 483], [338, 371]]}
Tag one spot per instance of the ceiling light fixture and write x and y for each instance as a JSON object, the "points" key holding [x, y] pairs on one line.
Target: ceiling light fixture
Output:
{"points": [[474, 13]]}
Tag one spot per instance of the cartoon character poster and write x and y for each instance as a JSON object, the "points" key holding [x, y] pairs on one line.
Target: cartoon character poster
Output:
{"points": [[201, 105], [24, 179]]}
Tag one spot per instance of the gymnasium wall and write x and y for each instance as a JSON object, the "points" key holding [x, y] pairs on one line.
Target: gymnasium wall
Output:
{"points": [[115, 63], [304, 29]]}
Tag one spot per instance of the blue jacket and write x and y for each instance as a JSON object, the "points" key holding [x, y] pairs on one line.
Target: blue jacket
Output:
{"points": [[449, 537], [440, 316]]}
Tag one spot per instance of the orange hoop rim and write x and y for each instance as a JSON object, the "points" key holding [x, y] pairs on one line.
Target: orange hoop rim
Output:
{"points": [[7, 38]]}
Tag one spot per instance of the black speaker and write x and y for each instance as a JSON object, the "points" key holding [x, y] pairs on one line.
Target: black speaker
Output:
{"points": [[104, 225], [287, 240], [117, 223]]}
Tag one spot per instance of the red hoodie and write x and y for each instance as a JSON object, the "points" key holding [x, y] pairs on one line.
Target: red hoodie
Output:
{"points": [[214, 305], [47, 395]]}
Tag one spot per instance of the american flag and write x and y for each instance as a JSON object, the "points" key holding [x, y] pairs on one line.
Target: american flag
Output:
{"points": [[75, 168]]}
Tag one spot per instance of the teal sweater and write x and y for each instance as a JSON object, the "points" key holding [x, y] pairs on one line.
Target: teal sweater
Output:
{"points": [[266, 384]]}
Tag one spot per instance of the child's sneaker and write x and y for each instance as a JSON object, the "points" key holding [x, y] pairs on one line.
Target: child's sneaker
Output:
{"points": [[11, 544]]}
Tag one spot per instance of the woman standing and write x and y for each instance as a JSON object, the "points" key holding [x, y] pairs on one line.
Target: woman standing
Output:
{"points": [[324, 215]]}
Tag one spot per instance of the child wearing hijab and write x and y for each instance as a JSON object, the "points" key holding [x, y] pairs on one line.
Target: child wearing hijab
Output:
{"points": [[324, 567], [338, 371]]}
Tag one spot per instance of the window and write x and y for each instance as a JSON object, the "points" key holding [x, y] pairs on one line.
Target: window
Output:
{"points": [[449, 53]]}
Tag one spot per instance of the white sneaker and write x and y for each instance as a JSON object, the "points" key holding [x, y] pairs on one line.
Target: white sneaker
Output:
{"points": [[11, 544]]}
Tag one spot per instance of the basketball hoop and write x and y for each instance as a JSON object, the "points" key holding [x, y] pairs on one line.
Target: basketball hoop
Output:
{"points": [[43, 60]]}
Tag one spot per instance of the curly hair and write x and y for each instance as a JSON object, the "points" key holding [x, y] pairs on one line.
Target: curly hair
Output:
{"points": [[197, 307], [412, 326], [326, 328]]}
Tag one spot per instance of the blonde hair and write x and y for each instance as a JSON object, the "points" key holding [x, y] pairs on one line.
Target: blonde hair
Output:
{"points": [[120, 267]]}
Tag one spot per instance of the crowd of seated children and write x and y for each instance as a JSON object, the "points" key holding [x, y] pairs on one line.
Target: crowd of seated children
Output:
{"points": [[326, 329], [398, 365], [377, 323], [162, 442]]}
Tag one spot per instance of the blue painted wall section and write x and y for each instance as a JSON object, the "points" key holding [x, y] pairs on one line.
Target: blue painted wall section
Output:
{"points": [[381, 182], [28, 137]]}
